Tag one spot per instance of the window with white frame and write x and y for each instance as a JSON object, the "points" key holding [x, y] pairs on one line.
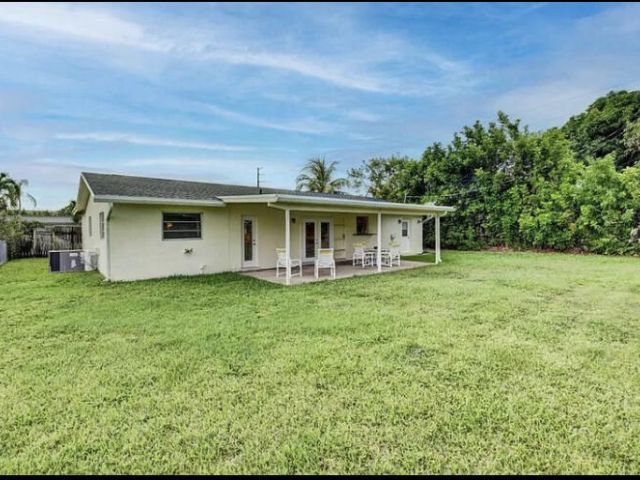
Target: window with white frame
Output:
{"points": [[90, 226], [181, 225], [102, 226]]}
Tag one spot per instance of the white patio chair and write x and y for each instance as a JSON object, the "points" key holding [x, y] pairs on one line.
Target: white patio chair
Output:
{"points": [[393, 255], [325, 260], [358, 254], [282, 263]]}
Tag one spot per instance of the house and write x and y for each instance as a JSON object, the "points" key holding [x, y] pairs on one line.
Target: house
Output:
{"points": [[150, 227]]}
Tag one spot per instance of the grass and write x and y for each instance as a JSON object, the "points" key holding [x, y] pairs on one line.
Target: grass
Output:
{"points": [[488, 363]]}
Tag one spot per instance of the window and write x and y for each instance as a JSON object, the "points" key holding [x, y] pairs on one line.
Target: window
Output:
{"points": [[90, 226], [362, 225], [405, 228], [101, 225], [181, 225]]}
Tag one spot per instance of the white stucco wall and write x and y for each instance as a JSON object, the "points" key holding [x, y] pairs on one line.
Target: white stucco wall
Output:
{"points": [[138, 250], [391, 226], [93, 242]]}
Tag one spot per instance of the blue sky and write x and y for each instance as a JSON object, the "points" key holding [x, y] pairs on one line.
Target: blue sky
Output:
{"points": [[212, 91]]}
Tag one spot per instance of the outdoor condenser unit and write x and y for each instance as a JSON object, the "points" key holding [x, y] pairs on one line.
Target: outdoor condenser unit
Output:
{"points": [[71, 260]]}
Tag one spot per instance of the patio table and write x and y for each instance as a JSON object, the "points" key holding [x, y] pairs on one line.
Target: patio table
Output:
{"points": [[371, 255]]}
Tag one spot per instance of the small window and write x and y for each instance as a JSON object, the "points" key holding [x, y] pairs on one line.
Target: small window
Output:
{"points": [[362, 225], [101, 220], [405, 228], [181, 225], [90, 226]]}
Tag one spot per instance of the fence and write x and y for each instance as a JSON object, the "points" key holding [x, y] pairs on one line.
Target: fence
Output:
{"points": [[4, 254], [41, 240]]}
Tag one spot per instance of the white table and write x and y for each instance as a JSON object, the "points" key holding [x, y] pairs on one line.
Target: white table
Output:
{"points": [[371, 256]]}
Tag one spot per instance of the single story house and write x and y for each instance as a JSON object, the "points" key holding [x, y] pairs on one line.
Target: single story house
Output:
{"points": [[149, 227]]}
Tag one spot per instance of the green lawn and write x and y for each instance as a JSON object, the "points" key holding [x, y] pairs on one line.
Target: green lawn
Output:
{"points": [[488, 363]]}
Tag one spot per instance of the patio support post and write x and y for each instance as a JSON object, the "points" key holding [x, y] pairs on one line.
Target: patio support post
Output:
{"points": [[438, 257], [287, 243], [379, 252]]}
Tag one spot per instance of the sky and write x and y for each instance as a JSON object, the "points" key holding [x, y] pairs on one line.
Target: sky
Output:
{"points": [[212, 91]]}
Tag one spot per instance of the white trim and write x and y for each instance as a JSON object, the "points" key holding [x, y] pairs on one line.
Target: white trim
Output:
{"points": [[355, 210], [107, 222], [372, 204], [303, 240], [157, 201], [406, 250], [317, 237], [253, 263], [379, 242], [266, 198], [76, 209], [287, 246], [438, 252]]}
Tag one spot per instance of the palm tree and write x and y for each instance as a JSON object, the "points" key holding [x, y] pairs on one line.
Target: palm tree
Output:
{"points": [[317, 176], [11, 192]]}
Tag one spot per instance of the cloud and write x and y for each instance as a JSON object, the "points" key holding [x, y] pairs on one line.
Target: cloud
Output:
{"points": [[90, 24], [551, 102], [596, 55], [366, 70], [362, 116], [116, 137], [299, 126], [96, 25]]}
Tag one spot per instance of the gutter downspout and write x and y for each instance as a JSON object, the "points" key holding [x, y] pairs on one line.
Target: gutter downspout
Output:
{"points": [[108, 240]]}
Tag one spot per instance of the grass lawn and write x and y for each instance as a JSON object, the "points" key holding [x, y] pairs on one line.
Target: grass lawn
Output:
{"points": [[488, 363]]}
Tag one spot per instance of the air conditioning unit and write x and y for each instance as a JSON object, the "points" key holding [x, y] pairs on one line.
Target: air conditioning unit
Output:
{"points": [[72, 260]]}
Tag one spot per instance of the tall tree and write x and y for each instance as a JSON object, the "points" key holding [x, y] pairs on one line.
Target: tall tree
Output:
{"points": [[383, 178], [319, 176], [600, 130], [11, 193]]}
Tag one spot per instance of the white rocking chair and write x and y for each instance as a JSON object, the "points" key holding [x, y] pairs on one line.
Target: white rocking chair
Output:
{"points": [[325, 260], [282, 263]]}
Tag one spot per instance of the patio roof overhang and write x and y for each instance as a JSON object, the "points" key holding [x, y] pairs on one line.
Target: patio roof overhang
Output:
{"points": [[346, 205]]}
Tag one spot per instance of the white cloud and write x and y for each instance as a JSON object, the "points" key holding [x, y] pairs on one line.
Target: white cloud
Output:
{"points": [[597, 55], [301, 126], [362, 70], [117, 137], [90, 24], [363, 116]]}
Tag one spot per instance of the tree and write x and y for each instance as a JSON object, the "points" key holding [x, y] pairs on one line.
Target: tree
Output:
{"points": [[600, 130], [382, 177], [11, 193], [318, 176], [68, 209], [632, 138]]}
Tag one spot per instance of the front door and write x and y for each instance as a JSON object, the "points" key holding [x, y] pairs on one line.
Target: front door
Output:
{"points": [[315, 234], [249, 242], [405, 238]]}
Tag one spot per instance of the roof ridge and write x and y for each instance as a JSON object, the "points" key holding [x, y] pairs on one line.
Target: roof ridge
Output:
{"points": [[172, 179]]}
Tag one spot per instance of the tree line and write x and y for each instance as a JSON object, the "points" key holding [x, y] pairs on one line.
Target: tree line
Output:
{"points": [[576, 187]]}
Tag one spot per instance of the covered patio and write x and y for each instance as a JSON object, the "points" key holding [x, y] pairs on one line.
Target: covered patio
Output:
{"points": [[347, 269], [343, 270], [287, 230]]}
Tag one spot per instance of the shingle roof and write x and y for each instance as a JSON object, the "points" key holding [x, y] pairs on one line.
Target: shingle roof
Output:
{"points": [[129, 186]]}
